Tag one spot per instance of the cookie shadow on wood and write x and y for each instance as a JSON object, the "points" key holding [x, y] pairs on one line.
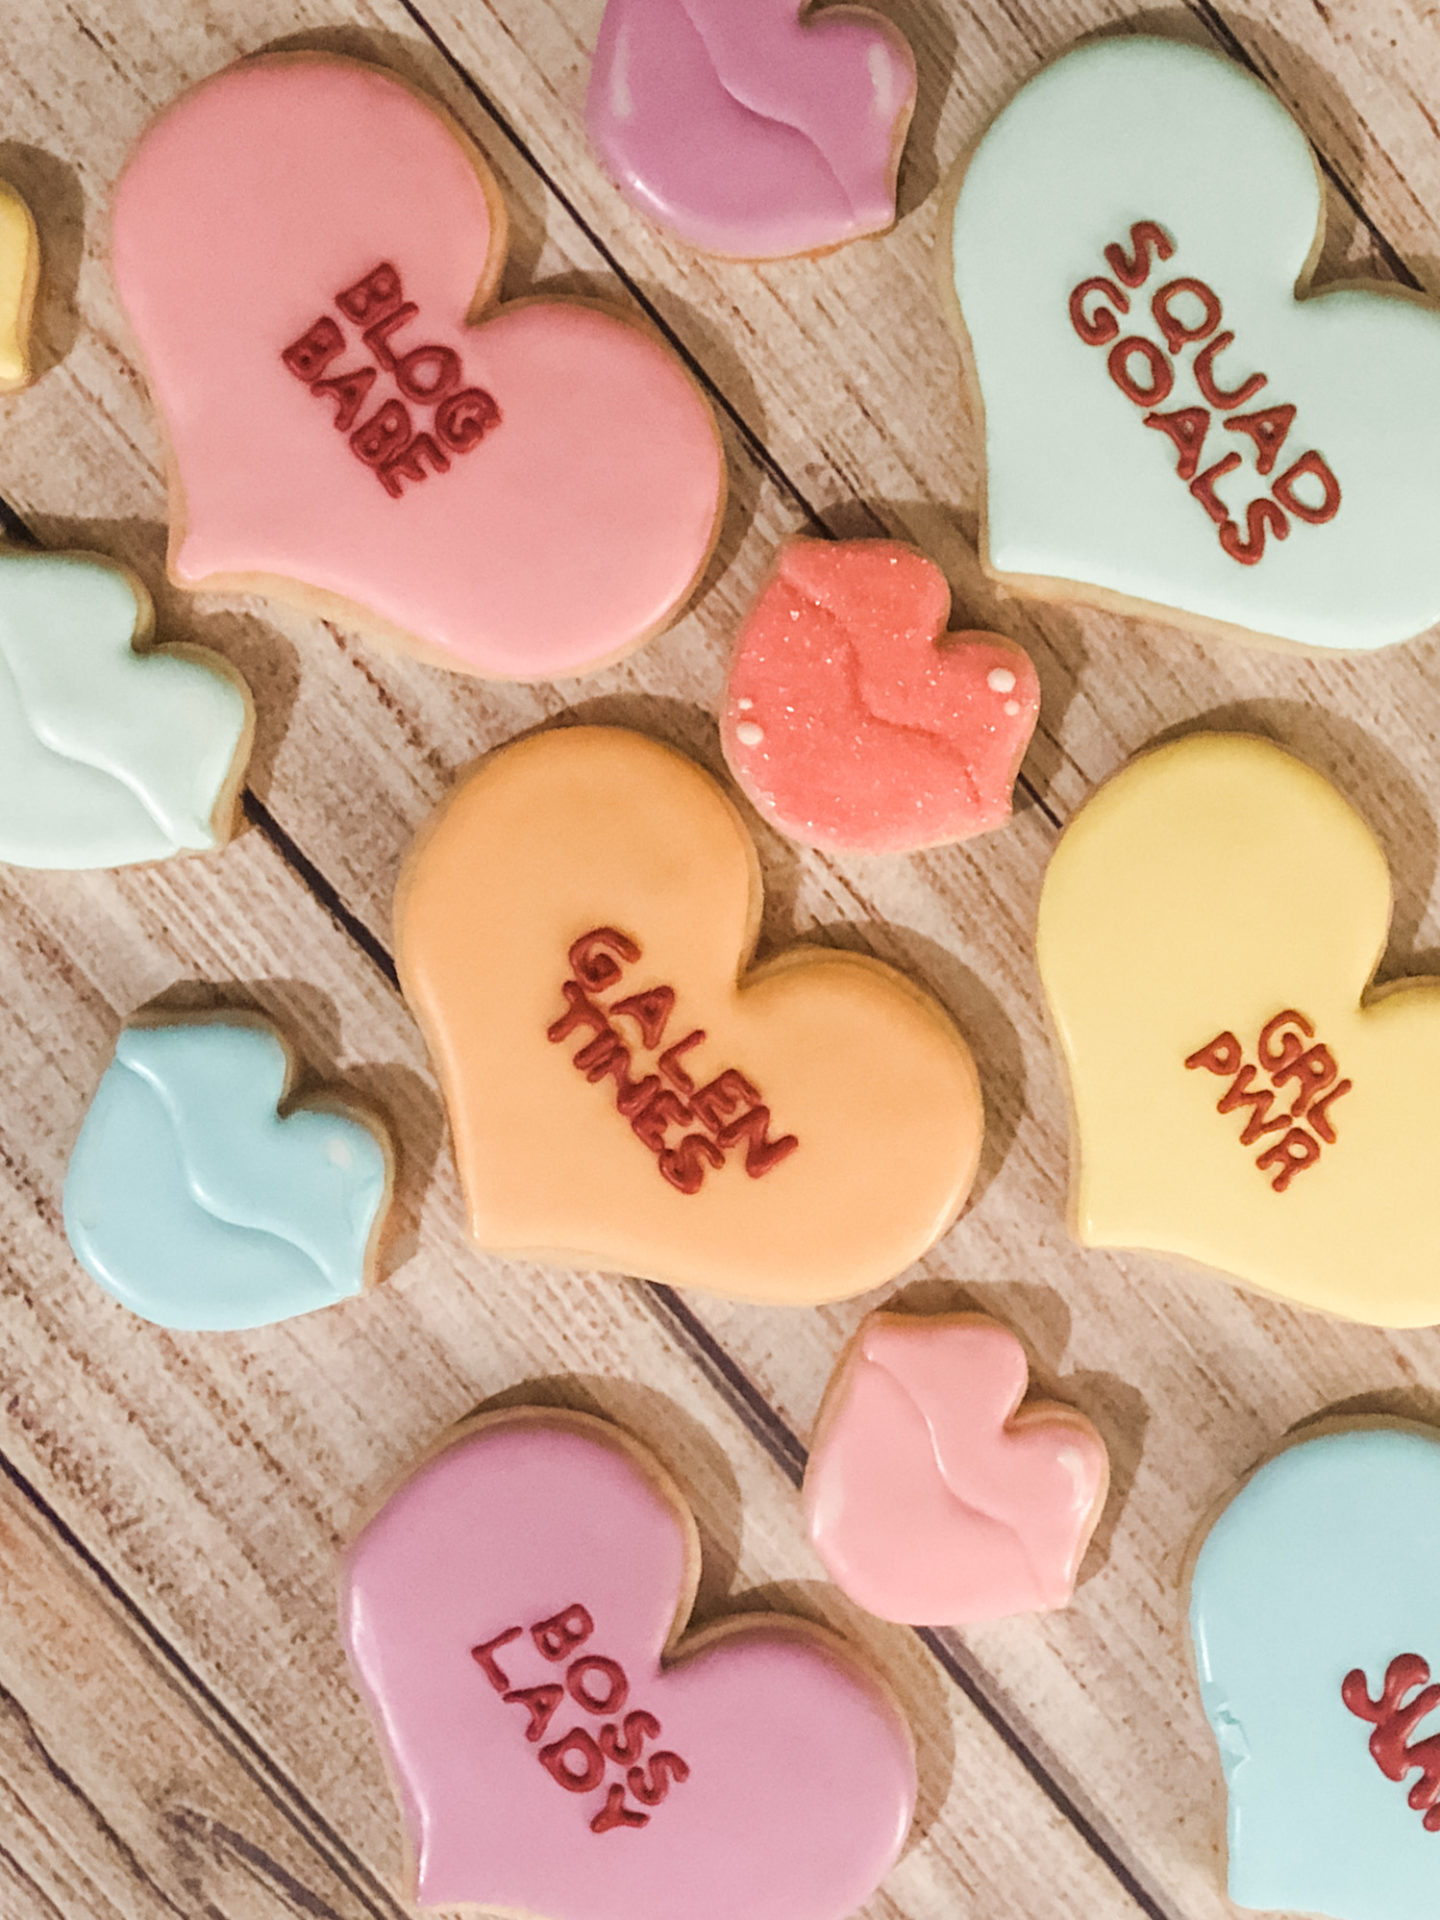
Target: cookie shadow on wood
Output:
{"points": [[51, 188]]}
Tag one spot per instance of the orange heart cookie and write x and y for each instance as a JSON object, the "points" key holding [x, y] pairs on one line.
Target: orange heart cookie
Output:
{"points": [[1210, 926], [574, 933]]}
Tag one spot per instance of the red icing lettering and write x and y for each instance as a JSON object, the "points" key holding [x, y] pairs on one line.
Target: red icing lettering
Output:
{"points": [[1203, 488], [761, 1152], [595, 958], [650, 1783], [349, 391], [661, 1111], [575, 1761], [427, 374], [1222, 1056], [580, 1011], [1289, 1156], [463, 420], [1162, 379], [714, 1103], [1284, 490], [670, 1061], [615, 1813], [626, 1743], [1187, 428], [1210, 387], [1269, 430], [558, 1637], [377, 336], [540, 1703], [1259, 1103], [372, 298], [650, 1011], [1249, 548], [484, 1658], [1099, 327], [1180, 333], [606, 1056], [1291, 1057], [1395, 1720], [384, 433], [597, 1684], [1145, 239], [684, 1166], [411, 463], [308, 357], [429, 377]]}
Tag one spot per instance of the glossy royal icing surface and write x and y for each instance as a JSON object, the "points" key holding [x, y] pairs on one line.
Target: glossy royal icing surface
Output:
{"points": [[930, 1497], [108, 756], [1320, 1581], [512, 1614], [19, 277], [852, 719], [198, 1205], [1209, 927], [574, 932], [299, 242], [753, 130], [1135, 166]]}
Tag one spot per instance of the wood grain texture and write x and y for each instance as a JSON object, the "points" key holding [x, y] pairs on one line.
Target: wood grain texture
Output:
{"points": [[210, 1480]]}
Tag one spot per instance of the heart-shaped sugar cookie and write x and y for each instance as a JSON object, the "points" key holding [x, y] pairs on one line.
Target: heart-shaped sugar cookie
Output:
{"points": [[1172, 420], [932, 1497], [306, 249], [852, 719], [514, 1616], [757, 129], [1209, 928], [574, 930], [1316, 1627]]}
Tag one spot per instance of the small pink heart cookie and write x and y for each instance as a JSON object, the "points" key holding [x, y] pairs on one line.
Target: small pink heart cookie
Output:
{"points": [[513, 1615], [930, 1499], [751, 128], [854, 721], [307, 250]]}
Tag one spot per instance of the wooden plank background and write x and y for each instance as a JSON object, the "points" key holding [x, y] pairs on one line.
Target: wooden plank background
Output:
{"points": [[178, 1736]]}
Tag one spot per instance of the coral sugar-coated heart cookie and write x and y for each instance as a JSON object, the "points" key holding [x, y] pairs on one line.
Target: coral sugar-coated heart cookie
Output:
{"points": [[19, 278], [514, 1615], [1173, 420], [574, 933], [111, 751], [1210, 925], [930, 1498], [307, 250], [201, 1196], [1315, 1614], [753, 128], [854, 720]]}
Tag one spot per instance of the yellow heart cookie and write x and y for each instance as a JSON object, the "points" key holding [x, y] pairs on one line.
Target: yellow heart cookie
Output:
{"points": [[1209, 928], [19, 276], [574, 930]]}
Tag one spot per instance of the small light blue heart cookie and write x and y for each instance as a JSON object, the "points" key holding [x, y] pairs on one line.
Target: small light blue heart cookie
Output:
{"points": [[198, 1204], [1315, 1613]]}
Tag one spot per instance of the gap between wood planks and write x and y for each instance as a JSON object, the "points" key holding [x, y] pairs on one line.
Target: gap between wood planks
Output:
{"points": [[674, 1314]]}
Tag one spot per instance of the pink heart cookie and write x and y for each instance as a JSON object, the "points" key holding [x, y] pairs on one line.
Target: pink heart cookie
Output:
{"points": [[298, 243], [930, 1500], [512, 1614], [854, 721], [749, 128]]}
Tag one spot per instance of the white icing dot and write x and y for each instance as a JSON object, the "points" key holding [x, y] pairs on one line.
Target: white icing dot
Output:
{"points": [[1012, 707], [744, 704], [748, 734], [1000, 680], [338, 1153]]}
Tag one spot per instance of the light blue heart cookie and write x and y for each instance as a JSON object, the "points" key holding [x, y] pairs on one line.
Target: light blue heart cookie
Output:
{"points": [[192, 1200], [108, 754], [1321, 1575]]}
